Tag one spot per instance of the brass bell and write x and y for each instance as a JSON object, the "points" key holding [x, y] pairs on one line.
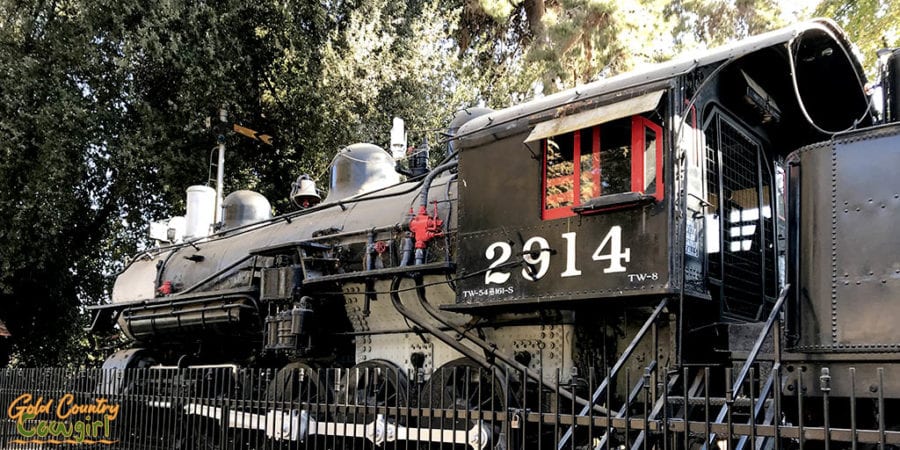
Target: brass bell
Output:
{"points": [[304, 193]]}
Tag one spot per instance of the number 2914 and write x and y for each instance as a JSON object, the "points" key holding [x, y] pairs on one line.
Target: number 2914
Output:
{"points": [[536, 254]]}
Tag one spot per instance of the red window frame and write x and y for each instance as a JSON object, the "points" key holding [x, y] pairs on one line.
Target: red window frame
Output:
{"points": [[638, 144], [639, 125]]}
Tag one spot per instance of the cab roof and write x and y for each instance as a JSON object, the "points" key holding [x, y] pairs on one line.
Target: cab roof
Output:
{"points": [[518, 118]]}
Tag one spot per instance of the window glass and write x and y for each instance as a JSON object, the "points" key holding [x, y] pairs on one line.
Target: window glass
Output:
{"points": [[596, 161], [590, 165], [649, 161], [615, 156], [560, 184]]}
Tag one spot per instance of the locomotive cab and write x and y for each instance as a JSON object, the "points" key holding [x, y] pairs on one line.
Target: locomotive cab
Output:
{"points": [[666, 183], [584, 206]]}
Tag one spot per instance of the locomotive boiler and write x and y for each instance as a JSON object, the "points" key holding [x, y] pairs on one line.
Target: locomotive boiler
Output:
{"points": [[649, 223]]}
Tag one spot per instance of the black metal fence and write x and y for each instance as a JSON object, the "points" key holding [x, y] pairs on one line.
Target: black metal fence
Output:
{"points": [[460, 406]]}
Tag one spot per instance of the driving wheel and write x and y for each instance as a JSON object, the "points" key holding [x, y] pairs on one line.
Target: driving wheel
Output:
{"points": [[460, 388]]}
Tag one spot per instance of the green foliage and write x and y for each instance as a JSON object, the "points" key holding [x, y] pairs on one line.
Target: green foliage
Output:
{"points": [[713, 22], [103, 105], [870, 24], [569, 42], [103, 110], [49, 174]]}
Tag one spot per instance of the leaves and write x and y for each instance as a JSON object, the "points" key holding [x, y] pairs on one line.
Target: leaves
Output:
{"points": [[871, 24], [103, 104], [101, 125], [103, 108], [571, 42]]}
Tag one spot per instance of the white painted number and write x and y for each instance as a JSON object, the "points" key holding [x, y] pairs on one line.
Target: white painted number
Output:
{"points": [[505, 252], [571, 270], [536, 256], [616, 255], [542, 260]]}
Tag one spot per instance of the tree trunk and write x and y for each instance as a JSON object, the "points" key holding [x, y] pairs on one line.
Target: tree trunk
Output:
{"points": [[534, 10], [4, 352]]}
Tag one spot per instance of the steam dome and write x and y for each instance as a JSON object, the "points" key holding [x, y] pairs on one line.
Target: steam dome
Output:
{"points": [[245, 207], [360, 168]]}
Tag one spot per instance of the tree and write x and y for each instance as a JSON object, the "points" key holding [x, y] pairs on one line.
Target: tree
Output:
{"points": [[48, 215], [870, 24], [103, 106], [102, 112], [569, 42], [709, 22]]}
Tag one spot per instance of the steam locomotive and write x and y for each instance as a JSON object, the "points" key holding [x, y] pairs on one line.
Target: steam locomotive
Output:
{"points": [[697, 200]]}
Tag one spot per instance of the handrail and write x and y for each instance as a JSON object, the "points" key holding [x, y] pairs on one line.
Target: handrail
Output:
{"points": [[619, 363], [635, 391], [491, 349], [754, 353], [757, 407], [216, 274]]}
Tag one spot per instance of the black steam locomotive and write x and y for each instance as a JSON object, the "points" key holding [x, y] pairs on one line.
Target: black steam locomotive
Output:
{"points": [[657, 221]]}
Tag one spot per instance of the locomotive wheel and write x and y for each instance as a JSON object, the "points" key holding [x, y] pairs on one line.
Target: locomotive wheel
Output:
{"points": [[462, 385], [375, 384], [298, 383]]}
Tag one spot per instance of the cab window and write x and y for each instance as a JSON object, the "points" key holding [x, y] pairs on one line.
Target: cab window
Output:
{"points": [[616, 157]]}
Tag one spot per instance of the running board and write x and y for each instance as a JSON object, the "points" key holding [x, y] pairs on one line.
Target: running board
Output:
{"points": [[298, 425]]}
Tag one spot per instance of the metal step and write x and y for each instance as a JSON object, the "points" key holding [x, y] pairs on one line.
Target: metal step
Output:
{"points": [[742, 402]]}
